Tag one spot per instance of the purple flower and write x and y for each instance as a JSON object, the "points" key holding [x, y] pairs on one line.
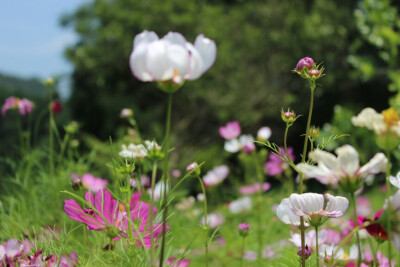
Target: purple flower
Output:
{"points": [[307, 252], [244, 229], [276, 165], [230, 130], [173, 262], [306, 62]]}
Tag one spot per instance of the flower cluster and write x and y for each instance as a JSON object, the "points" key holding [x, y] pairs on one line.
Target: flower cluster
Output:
{"points": [[23, 105]]}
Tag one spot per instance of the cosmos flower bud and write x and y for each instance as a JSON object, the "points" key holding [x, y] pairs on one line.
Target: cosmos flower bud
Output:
{"points": [[249, 148], [126, 113], [49, 82], [314, 74], [307, 252], [194, 168], [313, 133], [244, 229], [305, 62], [288, 116], [56, 107]]}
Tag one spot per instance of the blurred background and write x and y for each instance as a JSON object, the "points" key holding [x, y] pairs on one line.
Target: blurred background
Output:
{"points": [[85, 46]]}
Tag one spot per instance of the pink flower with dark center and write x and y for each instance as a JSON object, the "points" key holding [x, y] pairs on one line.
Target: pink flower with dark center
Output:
{"points": [[254, 188], [230, 130], [375, 228], [173, 262], [276, 165]]}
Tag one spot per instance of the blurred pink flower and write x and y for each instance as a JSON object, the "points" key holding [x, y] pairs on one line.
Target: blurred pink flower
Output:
{"points": [[230, 130], [92, 183], [216, 176], [254, 188], [23, 105], [213, 219], [173, 262], [363, 206], [276, 165]]}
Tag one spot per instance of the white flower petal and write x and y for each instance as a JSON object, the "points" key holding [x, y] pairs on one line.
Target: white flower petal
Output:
{"points": [[395, 180], [264, 133], [377, 164], [207, 50], [13, 248], [196, 63], [158, 63], [370, 119], [285, 213], [144, 37], [336, 206], [323, 174], [306, 204], [179, 57], [348, 159], [325, 158], [175, 38], [232, 145], [137, 62]]}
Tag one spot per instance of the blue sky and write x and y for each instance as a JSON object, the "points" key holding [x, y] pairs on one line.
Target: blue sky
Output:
{"points": [[32, 42]]}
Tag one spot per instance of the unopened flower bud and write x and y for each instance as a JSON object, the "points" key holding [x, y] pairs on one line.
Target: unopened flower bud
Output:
{"points": [[76, 181], [288, 116], [244, 229], [126, 113], [264, 133], [314, 74], [249, 148], [313, 133], [49, 82], [307, 252], [306, 62], [194, 168], [72, 127], [74, 143], [56, 106]]}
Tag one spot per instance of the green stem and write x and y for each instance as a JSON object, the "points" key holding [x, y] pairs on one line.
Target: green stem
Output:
{"points": [[241, 263], [128, 210], [389, 223], [316, 245], [153, 182], [353, 199], [259, 208], [166, 176], [303, 159], [376, 255], [51, 136], [205, 218]]}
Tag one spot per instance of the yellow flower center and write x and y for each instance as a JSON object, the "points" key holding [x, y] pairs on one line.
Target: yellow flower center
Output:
{"points": [[121, 207], [391, 117], [345, 256]]}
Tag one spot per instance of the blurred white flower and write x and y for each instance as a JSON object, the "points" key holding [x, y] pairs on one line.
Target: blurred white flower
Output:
{"points": [[216, 175], [133, 151], [158, 190], [395, 180], [380, 123], [214, 220], [234, 145], [240, 205], [170, 58], [264, 133]]}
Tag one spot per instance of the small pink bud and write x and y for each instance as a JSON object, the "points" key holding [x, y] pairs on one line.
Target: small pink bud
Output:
{"points": [[193, 167], [288, 116], [249, 148], [315, 74], [244, 229], [306, 62], [307, 252]]}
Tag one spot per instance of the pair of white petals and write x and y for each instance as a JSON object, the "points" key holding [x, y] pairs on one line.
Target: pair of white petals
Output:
{"points": [[308, 204], [331, 169], [170, 58], [373, 120]]}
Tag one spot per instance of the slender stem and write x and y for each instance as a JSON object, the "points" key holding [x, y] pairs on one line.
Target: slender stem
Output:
{"points": [[373, 251], [303, 159], [153, 182], [241, 262], [353, 199], [205, 218], [376, 255], [51, 136], [166, 176], [128, 210], [389, 223], [259, 207], [316, 245]]}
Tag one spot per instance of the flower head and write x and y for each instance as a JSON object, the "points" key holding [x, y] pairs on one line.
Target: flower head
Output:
{"points": [[133, 151], [56, 106], [244, 229], [344, 169], [126, 113], [245, 142], [213, 220], [312, 207], [286, 214], [240, 205], [171, 58], [23, 105], [307, 252], [305, 62], [264, 133], [92, 183], [254, 188], [230, 130], [216, 175], [276, 165]]}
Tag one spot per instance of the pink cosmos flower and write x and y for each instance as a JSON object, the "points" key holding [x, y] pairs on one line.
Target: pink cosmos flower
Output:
{"points": [[254, 188], [173, 262], [276, 165], [230, 130], [110, 216], [23, 105], [216, 176], [92, 183]]}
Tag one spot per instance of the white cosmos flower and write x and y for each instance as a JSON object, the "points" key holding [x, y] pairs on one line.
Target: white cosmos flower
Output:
{"points": [[240, 205], [264, 133], [312, 206], [214, 220], [286, 214], [235, 144], [329, 250], [170, 58], [380, 123], [395, 180], [133, 151], [332, 169]]}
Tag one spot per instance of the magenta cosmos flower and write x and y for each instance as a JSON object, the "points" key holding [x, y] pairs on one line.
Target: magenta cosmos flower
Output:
{"points": [[230, 130], [107, 214], [171, 58], [23, 105], [276, 165]]}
